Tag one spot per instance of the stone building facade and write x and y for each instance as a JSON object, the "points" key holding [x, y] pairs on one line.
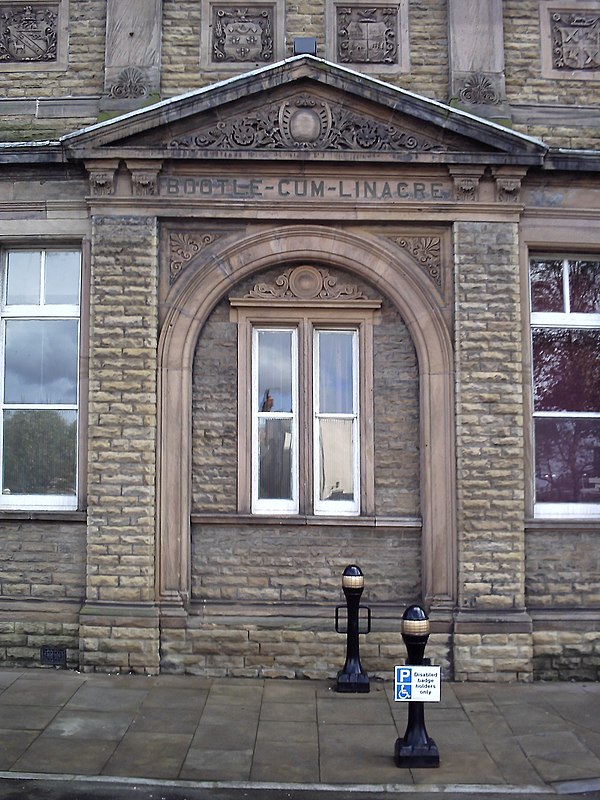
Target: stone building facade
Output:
{"points": [[287, 287]]}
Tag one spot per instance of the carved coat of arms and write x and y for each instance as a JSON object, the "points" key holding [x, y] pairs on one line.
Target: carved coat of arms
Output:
{"points": [[28, 34], [367, 36], [242, 35], [576, 41]]}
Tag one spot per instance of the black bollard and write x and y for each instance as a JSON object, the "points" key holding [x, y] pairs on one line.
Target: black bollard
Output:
{"points": [[352, 678], [416, 748]]}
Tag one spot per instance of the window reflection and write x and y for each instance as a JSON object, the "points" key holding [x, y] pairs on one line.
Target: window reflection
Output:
{"points": [[547, 286], [566, 369], [567, 456]]}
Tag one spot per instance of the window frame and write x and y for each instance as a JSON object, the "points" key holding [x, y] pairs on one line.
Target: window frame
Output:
{"points": [[34, 312], [307, 316], [566, 321]]}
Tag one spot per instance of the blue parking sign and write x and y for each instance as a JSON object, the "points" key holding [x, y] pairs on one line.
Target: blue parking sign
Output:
{"points": [[419, 683], [403, 683]]}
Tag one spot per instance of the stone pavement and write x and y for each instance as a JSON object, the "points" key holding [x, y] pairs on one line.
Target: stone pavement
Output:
{"points": [[511, 738]]}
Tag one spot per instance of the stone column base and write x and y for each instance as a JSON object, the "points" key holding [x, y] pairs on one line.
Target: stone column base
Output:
{"points": [[115, 638], [493, 646]]}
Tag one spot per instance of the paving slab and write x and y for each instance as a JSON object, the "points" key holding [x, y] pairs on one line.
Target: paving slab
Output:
{"points": [[507, 738], [149, 755], [286, 761]]}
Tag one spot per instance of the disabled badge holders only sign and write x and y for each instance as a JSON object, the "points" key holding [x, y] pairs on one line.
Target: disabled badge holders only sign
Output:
{"points": [[417, 683]]}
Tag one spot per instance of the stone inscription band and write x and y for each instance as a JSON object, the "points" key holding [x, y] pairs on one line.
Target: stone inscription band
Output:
{"points": [[299, 188]]}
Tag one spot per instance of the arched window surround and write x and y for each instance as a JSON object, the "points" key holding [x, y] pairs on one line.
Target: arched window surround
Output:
{"points": [[394, 275]]}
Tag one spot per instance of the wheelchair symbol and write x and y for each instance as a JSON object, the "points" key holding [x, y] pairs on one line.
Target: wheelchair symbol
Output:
{"points": [[404, 692]]}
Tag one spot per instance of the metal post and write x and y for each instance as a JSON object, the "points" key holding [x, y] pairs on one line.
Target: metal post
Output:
{"points": [[416, 748], [352, 678]]}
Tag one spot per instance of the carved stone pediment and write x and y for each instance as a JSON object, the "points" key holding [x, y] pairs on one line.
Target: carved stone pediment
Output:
{"points": [[300, 108], [307, 122]]}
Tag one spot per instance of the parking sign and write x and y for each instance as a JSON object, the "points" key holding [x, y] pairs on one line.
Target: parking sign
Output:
{"points": [[417, 683]]}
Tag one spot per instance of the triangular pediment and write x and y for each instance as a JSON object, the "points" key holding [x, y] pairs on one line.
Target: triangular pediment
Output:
{"points": [[304, 107]]}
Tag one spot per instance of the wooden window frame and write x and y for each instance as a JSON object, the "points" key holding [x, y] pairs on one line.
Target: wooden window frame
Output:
{"points": [[308, 316]]}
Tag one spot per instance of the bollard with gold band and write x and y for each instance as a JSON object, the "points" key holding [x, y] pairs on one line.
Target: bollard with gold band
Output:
{"points": [[416, 748], [352, 678]]}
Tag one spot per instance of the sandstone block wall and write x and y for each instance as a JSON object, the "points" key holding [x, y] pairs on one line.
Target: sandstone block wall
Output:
{"points": [[284, 648], [122, 429], [303, 564], [489, 416], [42, 560]]}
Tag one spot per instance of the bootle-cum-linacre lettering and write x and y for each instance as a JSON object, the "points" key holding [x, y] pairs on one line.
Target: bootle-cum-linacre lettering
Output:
{"points": [[303, 188]]}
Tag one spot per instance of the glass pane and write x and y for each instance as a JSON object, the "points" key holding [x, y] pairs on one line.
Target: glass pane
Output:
{"points": [[566, 369], [336, 459], [274, 459], [336, 363], [275, 371], [547, 286], [584, 287], [567, 460], [62, 278], [41, 361], [40, 452], [23, 278]]}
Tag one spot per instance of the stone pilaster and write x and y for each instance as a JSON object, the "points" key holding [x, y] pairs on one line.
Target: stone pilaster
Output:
{"points": [[119, 625], [492, 630]]}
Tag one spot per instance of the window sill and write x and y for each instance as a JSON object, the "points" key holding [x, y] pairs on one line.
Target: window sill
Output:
{"points": [[51, 516], [562, 523], [302, 519]]}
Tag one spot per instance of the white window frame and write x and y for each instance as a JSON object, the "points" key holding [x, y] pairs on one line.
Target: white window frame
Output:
{"points": [[341, 507], [307, 317], [565, 320], [38, 502], [271, 505]]}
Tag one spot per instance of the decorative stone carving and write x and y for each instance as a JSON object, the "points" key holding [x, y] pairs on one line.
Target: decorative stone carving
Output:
{"points": [[367, 35], [144, 183], [28, 33], [426, 251], [306, 283], [183, 248], [575, 40], [102, 183], [466, 189], [479, 90], [307, 123], [130, 84], [243, 33], [508, 190]]}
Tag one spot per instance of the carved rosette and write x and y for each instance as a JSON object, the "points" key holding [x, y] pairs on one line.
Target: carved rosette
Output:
{"points": [[28, 33], [308, 123], [575, 38], [306, 283], [183, 247], [426, 251], [478, 90]]}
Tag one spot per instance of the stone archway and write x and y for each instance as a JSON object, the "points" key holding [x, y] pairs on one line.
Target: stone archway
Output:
{"points": [[394, 276]]}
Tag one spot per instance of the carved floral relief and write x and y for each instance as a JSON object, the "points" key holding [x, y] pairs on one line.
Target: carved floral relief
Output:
{"points": [[307, 123], [183, 247]]}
